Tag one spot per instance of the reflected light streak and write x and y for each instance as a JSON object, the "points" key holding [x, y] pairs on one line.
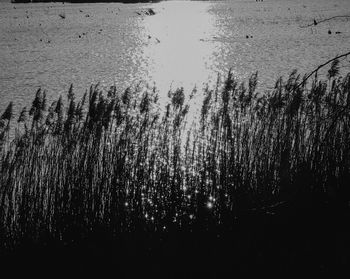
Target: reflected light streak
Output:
{"points": [[178, 49]]}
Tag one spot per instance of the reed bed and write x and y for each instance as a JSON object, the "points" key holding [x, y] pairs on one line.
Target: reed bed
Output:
{"points": [[114, 160]]}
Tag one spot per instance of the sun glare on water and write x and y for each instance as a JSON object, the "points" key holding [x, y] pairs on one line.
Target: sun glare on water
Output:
{"points": [[179, 49]]}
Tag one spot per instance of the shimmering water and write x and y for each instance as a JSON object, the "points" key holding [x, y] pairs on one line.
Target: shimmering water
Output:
{"points": [[184, 44]]}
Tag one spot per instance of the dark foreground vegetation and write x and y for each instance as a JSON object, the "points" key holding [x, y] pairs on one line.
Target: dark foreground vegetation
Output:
{"points": [[112, 184]]}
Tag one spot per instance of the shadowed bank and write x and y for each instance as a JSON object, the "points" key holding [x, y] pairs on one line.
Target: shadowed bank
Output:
{"points": [[87, 1]]}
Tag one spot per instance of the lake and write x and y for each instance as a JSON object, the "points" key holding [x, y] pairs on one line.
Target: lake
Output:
{"points": [[186, 43]]}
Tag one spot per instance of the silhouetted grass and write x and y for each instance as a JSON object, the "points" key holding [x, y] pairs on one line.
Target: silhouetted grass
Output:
{"points": [[115, 162]]}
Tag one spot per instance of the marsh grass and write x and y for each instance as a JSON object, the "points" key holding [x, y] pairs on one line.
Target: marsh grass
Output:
{"points": [[115, 161]]}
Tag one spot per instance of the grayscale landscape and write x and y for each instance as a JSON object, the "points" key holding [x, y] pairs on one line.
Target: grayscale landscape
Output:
{"points": [[175, 139]]}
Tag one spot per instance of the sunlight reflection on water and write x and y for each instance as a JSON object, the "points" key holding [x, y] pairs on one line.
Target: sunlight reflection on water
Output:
{"points": [[178, 50], [186, 43]]}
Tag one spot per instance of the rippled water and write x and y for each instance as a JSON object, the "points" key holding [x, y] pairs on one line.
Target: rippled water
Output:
{"points": [[184, 44]]}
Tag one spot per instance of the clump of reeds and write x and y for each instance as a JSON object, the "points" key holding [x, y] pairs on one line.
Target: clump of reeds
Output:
{"points": [[114, 160]]}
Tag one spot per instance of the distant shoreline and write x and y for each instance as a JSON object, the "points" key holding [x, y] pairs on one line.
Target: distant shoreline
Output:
{"points": [[85, 1]]}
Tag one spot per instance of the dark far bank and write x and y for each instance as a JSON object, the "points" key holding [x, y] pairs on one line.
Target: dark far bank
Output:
{"points": [[86, 1]]}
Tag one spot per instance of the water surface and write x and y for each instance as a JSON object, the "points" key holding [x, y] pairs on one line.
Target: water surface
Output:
{"points": [[184, 44]]}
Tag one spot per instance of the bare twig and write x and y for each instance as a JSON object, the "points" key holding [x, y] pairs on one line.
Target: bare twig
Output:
{"points": [[323, 20], [321, 66]]}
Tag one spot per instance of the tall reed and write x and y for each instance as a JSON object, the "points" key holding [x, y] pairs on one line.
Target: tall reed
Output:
{"points": [[114, 160]]}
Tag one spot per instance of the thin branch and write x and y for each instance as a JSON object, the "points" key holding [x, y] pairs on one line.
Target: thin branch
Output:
{"points": [[321, 66], [323, 20]]}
